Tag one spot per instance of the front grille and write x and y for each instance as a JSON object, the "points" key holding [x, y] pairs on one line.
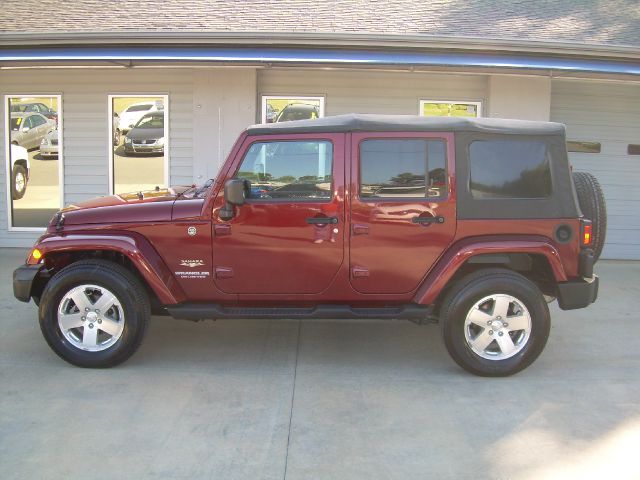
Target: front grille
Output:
{"points": [[54, 141]]}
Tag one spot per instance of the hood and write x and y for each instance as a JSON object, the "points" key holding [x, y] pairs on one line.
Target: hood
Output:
{"points": [[141, 207]]}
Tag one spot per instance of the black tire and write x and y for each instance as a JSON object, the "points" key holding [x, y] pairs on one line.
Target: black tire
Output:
{"points": [[459, 303], [116, 138], [123, 285], [593, 207], [16, 192]]}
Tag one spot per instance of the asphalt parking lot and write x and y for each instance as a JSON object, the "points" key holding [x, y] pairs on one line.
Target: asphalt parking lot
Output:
{"points": [[324, 400]]}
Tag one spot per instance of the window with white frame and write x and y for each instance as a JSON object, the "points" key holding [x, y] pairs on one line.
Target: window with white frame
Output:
{"points": [[33, 159], [450, 108], [138, 142], [283, 108]]}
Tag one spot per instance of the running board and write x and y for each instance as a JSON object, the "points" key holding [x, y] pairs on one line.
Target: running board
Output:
{"points": [[202, 311]]}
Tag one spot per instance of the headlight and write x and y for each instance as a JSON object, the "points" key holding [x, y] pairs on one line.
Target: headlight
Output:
{"points": [[127, 140], [45, 141], [160, 141]]}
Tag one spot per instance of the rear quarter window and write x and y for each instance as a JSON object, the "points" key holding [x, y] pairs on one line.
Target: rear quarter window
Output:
{"points": [[509, 169]]}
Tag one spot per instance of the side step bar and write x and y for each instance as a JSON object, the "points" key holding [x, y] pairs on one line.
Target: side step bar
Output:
{"points": [[202, 311]]}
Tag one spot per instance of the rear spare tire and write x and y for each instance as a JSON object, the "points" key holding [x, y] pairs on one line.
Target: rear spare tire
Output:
{"points": [[593, 206]]}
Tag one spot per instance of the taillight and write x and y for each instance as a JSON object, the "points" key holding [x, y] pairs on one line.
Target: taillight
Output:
{"points": [[587, 233]]}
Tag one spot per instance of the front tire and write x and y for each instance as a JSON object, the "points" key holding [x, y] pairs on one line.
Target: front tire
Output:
{"points": [[494, 322], [18, 182], [94, 314]]}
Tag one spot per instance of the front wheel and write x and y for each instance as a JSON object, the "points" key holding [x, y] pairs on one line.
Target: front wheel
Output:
{"points": [[19, 182], [94, 313], [494, 322]]}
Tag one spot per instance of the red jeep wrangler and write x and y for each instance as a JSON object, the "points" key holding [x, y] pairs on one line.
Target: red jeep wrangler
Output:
{"points": [[476, 224]]}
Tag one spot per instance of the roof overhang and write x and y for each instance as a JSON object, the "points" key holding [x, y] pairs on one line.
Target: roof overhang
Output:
{"points": [[347, 57]]}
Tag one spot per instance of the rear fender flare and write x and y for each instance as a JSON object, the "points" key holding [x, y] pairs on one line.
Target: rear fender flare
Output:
{"points": [[134, 246], [459, 253]]}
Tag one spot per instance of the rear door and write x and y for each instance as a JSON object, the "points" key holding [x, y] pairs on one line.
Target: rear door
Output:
{"points": [[403, 212], [288, 238]]}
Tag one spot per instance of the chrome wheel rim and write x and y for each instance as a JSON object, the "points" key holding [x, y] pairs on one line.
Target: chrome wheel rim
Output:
{"points": [[497, 327], [20, 182], [91, 318]]}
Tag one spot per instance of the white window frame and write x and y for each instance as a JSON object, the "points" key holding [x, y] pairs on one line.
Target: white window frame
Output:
{"points": [[266, 98], [165, 100], [478, 105], [7, 156]]}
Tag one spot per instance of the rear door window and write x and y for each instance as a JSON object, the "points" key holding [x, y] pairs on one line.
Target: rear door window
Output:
{"points": [[509, 169]]}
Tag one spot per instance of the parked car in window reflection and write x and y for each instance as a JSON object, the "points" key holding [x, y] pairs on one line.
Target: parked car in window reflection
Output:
{"points": [[49, 145], [147, 136], [133, 113], [28, 129], [35, 107], [298, 111]]}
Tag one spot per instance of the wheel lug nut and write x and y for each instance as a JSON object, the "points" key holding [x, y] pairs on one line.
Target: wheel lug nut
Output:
{"points": [[505, 324], [500, 333], [83, 318], [490, 332], [489, 322], [97, 310], [86, 309], [99, 321], [91, 325]]}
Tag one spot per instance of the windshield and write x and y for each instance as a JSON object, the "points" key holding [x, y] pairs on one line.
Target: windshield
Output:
{"points": [[139, 108], [151, 121]]}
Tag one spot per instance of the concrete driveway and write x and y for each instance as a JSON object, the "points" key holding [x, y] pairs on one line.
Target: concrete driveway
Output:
{"points": [[324, 400]]}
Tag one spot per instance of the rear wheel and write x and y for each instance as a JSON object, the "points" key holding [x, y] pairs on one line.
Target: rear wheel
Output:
{"points": [[593, 207], [494, 322], [94, 313]]}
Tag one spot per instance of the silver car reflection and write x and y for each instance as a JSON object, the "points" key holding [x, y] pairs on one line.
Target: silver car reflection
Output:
{"points": [[49, 145], [28, 129]]}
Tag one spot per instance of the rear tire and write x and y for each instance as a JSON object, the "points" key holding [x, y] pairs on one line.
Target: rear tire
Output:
{"points": [[94, 313], [494, 322], [593, 207]]}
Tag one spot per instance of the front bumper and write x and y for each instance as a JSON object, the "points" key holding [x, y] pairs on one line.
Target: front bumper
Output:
{"points": [[49, 150], [23, 278], [578, 293]]}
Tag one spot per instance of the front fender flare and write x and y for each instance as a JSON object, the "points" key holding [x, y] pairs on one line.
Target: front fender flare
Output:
{"points": [[460, 252], [134, 246]]}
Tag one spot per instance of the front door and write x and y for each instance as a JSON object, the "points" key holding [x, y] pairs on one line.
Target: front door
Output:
{"points": [[288, 238], [402, 208]]}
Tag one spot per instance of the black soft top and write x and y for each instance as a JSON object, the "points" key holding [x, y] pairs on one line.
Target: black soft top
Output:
{"points": [[356, 122]]}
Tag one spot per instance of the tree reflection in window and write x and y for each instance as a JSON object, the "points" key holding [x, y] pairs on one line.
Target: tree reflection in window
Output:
{"points": [[289, 170]]}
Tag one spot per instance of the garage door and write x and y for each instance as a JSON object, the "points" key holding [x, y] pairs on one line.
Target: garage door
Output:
{"points": [[608, 114]]}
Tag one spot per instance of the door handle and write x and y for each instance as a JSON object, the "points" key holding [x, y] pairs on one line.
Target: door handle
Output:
{"points": [[322, 220], [428, 220]]}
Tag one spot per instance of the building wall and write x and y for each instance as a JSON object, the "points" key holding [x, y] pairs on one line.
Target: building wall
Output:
{"points": [[525, 98], [207, 110], [371, 91], [607, 113]]}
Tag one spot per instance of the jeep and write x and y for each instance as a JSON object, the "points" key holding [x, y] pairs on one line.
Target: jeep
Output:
{"points": [[476, 224]]}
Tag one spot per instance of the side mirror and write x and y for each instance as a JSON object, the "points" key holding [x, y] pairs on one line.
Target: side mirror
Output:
{"points": [[235, 193]]}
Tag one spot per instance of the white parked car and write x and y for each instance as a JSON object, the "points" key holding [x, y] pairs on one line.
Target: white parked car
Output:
{"points": [[49, 145], [133, 113], [19, 171]]}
